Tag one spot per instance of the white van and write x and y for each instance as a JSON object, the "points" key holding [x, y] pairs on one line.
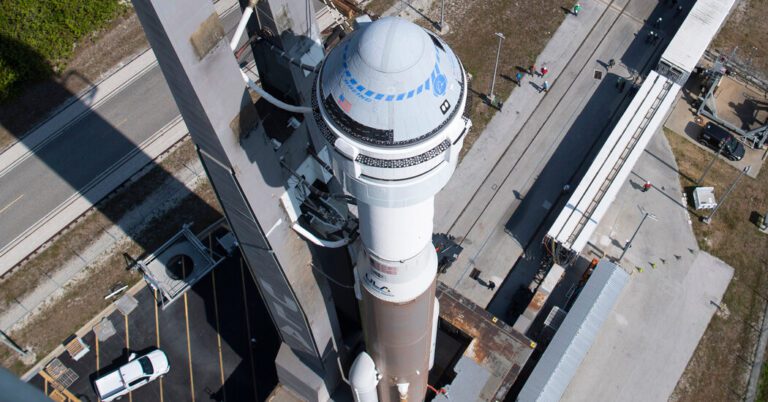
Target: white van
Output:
{"points": [[132, 375]]}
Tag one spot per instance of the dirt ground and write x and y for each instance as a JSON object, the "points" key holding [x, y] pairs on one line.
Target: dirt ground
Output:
{"points": [[746, 32], [94, 58], [527, 25], [719, 368], [378, 7]]}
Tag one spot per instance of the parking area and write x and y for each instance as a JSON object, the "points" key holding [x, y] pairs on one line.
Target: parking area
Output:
{"points": [[218, 337], [740, 105]]}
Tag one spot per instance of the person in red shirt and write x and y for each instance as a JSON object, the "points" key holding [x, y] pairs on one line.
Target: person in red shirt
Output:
{"points": [[647, 186]]}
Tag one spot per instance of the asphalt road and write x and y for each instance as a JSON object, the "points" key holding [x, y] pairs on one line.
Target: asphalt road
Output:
{"points": [[86, 148]]}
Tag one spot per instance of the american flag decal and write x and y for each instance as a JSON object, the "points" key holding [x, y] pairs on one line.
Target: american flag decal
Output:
{"points": [[344, 103]]}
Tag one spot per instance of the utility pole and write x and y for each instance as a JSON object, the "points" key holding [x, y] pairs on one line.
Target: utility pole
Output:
{"points": [[646, 215], [12, 345], [491, 96], [712, 162], [744, 171]]}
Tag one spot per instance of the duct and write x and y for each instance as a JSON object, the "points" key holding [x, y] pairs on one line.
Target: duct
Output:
{"points": [[271, 99]]}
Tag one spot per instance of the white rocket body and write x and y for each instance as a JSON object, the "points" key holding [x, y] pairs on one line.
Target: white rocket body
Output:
{"points": [[389, 102]]}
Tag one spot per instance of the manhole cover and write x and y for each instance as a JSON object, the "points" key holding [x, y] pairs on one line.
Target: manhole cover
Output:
{"points": [[179, 266]]}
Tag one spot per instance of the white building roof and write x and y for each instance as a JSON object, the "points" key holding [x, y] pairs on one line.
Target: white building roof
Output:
{"points": [[576, 334], [697, 32]]}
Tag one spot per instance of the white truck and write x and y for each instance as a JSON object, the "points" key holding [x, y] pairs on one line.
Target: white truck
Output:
{"points": [[134, 374]]}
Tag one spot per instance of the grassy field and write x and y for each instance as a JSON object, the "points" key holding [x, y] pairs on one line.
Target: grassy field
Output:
{"points": [[37, 37], [84, 298], [719, 368], [746, 33]]}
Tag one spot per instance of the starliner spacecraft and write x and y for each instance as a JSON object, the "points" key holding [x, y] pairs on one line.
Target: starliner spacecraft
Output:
{"points": [[389, 101], [373, 124]]}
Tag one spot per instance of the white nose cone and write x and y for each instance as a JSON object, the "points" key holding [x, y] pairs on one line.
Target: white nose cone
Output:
{"points": [[392, 84], [364, 378]]}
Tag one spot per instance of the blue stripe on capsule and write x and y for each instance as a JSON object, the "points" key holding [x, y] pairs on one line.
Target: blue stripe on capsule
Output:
{"points": [[400, 96], [390, 97], [410, 94], [369, 93], [379, 96]]}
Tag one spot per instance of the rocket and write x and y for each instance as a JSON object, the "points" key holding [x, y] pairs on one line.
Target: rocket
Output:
{"points": [[389, 103]]}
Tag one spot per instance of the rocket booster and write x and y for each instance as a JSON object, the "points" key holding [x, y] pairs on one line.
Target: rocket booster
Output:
{"points": [[389, 103]]}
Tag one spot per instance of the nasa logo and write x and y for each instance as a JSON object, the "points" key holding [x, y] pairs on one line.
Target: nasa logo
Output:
{"points": [[439, 85]]}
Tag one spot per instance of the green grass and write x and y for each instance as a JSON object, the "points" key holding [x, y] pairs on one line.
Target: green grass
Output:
{"points": [[762, 388], [37, 37]]}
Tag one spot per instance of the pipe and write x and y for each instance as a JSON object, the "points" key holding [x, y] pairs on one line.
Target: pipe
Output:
{"points": [[402, 389], [316, 240], [241, 25], [271, 99]]}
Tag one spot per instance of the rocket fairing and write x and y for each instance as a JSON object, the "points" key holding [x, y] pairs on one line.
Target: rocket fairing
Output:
{"points": [[389, 102]]}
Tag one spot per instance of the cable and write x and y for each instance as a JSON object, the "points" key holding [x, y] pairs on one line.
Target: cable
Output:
{"points": [[331, 279]]}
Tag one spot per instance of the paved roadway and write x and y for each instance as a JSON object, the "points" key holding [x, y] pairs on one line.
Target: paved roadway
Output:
{"points": [[74, 158], [540, 141]]}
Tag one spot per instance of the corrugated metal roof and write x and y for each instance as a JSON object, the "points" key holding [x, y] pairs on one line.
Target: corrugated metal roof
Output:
{"points": [[575, 336], [697, 31]]}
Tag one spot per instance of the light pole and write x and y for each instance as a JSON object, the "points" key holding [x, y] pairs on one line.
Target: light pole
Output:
{"points": [[491, 96], [646, 215], [441, 24], [744, 171], [712, 162]]}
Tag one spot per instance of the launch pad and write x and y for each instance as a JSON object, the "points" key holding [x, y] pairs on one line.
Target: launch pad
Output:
{"points": [[494, 356]]}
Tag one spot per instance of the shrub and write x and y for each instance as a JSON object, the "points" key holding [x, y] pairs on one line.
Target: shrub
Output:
{"points": [[37, 37]]}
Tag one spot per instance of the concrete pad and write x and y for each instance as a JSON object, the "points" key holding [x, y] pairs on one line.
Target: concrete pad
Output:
{"points": [[104, 329], [31, 300], [13, 314], [68, 271], [682, 121], [126, 304], [654, 329], [648, 339], [526, 182]]}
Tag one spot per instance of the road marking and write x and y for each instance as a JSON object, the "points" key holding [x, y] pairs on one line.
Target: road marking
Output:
{"points": [[11, 204], [96, 341], [128, 348], [121, 122], [248, 329], [189, 345], [218, 335], [157, 335]]}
